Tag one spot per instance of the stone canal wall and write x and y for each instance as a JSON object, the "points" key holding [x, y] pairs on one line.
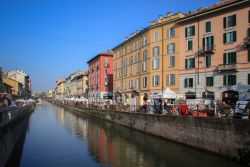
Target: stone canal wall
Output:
{"points": [[11, 128], [226, 137]]}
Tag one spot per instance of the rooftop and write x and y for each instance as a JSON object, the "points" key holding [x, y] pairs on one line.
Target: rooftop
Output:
{"points": [[107, 53]]}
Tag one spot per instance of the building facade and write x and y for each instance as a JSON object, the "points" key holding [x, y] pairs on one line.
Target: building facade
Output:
{"points": [[79, 84], [60, 87], [23, 78], [12, 87], [147, 62], [101, 76], [214, 55]]}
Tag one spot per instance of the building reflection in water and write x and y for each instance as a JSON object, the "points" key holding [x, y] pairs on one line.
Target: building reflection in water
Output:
{"points": [[113, 145]]}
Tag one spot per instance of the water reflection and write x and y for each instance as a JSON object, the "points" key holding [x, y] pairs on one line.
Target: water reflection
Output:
{"points": [[112, 145]]}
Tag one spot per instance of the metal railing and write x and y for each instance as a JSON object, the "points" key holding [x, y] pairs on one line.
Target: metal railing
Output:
{"points": [[226, 67]]}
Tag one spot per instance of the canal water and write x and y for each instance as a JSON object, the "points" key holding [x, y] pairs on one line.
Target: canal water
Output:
{"points": [[57, 137]]}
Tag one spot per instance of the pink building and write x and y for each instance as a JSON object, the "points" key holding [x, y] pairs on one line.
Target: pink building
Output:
{"points": [[101, 76], [214, 59]]}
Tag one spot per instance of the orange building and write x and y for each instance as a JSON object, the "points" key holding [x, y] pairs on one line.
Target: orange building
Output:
{"points": [[214, 54]]}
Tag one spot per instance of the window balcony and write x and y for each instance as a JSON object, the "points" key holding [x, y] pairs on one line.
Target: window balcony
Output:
{"points": [[207, 50], [226, 67]]}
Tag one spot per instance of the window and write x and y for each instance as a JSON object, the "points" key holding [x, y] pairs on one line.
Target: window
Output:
{"points": [[229, 21], [130, 84], [209, 81], [208, 43], [137, 83], [229, 80], [190, 45], [170, 79], [144, 82], [131, 64], [190, 31], [156, 51], [229, 58], [171, 32], [248, 79], [131, 47], [190, 63], [172, 61], [156, 80], [137, 44], [137, 63], [171, 48], [115, 71], [156, 36], [229, 37], [208, 26], [144, 64], [125, 67], [208, 61], [144, 41], [156, 63], [188, 82]]}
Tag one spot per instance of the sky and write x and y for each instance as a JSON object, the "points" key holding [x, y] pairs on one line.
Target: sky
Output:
{"points": [[50, 39]]}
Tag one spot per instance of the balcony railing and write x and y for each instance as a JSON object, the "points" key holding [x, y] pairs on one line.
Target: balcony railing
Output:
{"points": [[226, 67], [207, 50]]}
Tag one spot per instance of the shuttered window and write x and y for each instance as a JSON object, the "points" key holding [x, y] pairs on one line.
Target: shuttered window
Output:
{"points": [[190, 31], [229, 37], [230, 58], [208, 26], [229, 21], [208, 61], [209, 81], [188, 82]]}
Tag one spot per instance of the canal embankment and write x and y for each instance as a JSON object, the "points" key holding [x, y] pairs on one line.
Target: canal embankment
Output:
{"points": [[13, 123], [226, 137]]}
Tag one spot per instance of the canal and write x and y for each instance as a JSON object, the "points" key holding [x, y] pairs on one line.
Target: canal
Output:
{"points": [[58, 137]]}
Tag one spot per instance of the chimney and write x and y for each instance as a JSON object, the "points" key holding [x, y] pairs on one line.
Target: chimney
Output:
{"points": [[160, 17]]}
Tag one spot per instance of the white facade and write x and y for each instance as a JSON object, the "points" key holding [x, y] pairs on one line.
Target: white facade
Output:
{"points": [[218, 87]]}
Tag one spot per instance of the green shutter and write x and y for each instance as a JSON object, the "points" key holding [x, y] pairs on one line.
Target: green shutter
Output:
{"points": [[234, 57], [225, 22], [186, 32], [191, 82], [225, 58], [208, 26], [234, 80], [185, 82], [225, 80], [208, 60], [186, 63], [224, 38], [193, 30], [203, 44], [212, 42], [234, 20], [248, 54], [234, 36]]}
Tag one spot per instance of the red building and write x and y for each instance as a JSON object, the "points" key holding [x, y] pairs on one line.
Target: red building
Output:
{"points": [[101, 76]]}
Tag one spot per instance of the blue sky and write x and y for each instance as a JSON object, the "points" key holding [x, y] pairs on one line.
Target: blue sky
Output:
{"points": [[53, 38]]}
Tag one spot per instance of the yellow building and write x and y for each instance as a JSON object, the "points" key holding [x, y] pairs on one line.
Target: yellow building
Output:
{"points": [[60, 87], [147, 61], [12, 86]]}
